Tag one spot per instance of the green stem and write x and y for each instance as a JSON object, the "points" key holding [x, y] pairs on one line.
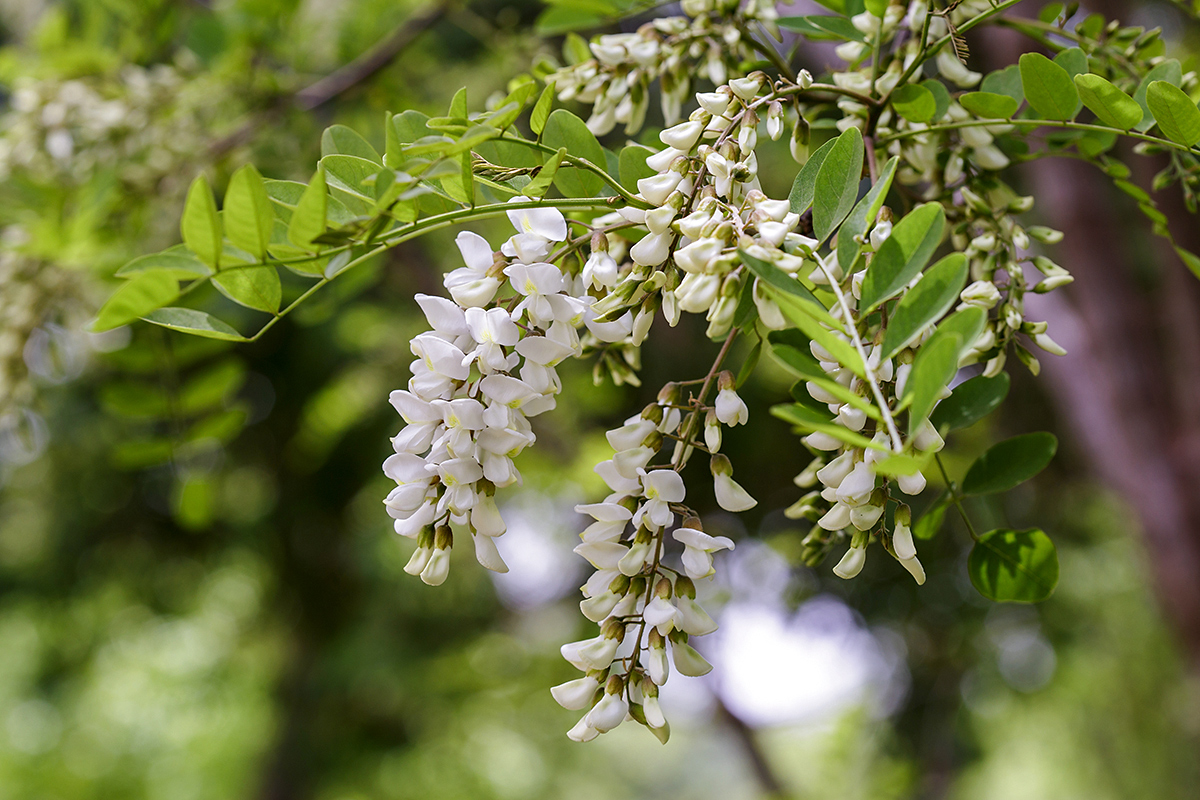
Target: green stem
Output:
{"points": [[1039, 123], [927, 52], [584, 164], [956, 497], [426, 225]]}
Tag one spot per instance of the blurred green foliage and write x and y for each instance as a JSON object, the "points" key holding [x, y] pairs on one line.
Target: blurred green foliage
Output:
{"points": [[200, 596]]}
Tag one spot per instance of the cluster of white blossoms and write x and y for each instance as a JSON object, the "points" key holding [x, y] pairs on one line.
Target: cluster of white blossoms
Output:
{"points": [[488, 365], [709, 43], [641, 594], [145, 124]]}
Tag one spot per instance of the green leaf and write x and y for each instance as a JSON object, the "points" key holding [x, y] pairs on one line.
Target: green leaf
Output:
{"points": [[810, 420], [538, 187], [541, 110], [931, 521], [340, 140], [1190, 260], [253, 287], [971, 401], [821, 27], [934, 366], [200, 226], [925, 303], [308, 220], [248, 215], [901, 464], [178, 262], [1176, 113], [212, 386], [914, 102], [1048, 87], [836, 188], [138, 296], [940, 95], [1074, 61], [801, 196], [967, 324], [1010, 463], [1110, 105], [631, 165], [806, 318], [1169, 71], [775, 277], [198, 323], [904, 254], [1014, 566], [805, 366], [749, 364], [987, 105], [135, 400], [863, 216], [1005, 81], [565, 130]]}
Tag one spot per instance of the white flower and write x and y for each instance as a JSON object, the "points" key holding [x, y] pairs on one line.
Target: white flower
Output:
{"points": [[444, 316], [611, 519], [851, 563], [487, 555], [656, 663], [547, 222], [911, 484], [486, 519], [661, 615], [653, 712], [608, 713], [693, 620], [575, 695], [730, 495], [661, 487], [600, 270], [600, 606], [582, 732], [698, 548], [652, 250], [731, 410], [631, 434], [437, 568], [688, 661], [902, 542], [856, 487]]}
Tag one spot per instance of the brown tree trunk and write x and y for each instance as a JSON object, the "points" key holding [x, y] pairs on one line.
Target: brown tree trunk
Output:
{"points": [[1128, 391]]}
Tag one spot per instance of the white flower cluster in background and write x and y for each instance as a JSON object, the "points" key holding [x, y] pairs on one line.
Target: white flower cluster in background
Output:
{"points": [[144, 124]]}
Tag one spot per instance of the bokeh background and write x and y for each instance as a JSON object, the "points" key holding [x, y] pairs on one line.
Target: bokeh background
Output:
{"points": [[201, 597]]}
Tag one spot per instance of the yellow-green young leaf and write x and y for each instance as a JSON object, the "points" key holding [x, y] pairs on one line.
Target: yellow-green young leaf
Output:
{"points": [[253, 287], [340, 140], [308, 219], [212, 387], [197, 323], [140, 295], [801, 196], [934, 366], [200, 226], [926, 302], [804, 316], [914, 102], [1010, 463], [541, 110], [1171, 72], [931, 521], [248, 213], [565, 130], [810, 420], [538, 187], [971, 401], [863, 216], [1005, 81], [901, 464], [987, 105], [904, 254], [177, 261], [1014, 566], [940, 95], [966, 324], [1176, 113], [1110, 105], [458, 104], [1190, 259], [806, 367], [776, 278], [836, 188], [1048, 87]]}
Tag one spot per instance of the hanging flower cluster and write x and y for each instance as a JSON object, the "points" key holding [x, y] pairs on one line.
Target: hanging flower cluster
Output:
{"points": [[709, 44]]}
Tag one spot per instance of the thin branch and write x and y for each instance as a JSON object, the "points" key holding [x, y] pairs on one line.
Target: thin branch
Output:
{"points": [[341, 80]]}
